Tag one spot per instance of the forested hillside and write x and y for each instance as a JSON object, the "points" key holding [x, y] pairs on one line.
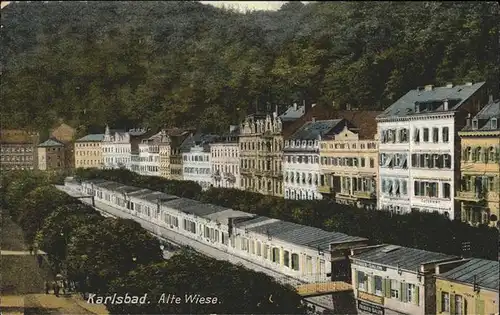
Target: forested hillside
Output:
{"points": [[184, 63]]}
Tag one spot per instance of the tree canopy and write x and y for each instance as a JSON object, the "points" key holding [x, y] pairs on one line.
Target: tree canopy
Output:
{"points": [[185, 63]]}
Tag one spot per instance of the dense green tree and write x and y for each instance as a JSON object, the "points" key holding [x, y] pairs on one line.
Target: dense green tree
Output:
{"points": [[187, 64], [237, 290], [107, 250]]}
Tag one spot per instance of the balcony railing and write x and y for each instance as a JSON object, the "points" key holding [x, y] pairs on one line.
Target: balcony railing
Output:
{"points": [[324, 189], [471, 196], [364, 194]]}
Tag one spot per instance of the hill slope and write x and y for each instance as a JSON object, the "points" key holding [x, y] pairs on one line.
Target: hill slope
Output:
{"points": [[179, 63]]}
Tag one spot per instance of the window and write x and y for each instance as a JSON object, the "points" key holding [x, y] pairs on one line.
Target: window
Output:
{"points": [[395, 287], [447, 190], [416, 135], [426, 134], [446, 134], [286, 258], [378, 285], [372, 163], [435, 135], [458, 305], [474, 124], [362, 281], [494, 123], [258, 249], [445, 302], [295, 262], [276, 255], [410, 292], [309, 265]]}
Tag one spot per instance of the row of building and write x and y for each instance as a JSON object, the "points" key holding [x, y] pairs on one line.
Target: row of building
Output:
{"points": [[384, 279], [435, 149]]}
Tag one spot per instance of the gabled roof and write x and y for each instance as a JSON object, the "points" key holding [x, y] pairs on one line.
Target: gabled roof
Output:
{"points": [[293, 113], [485, 118], [405, 258], [456, 95], [297, 234], [98, 137], [364, 120], [51, 143], [313, 129], [486, 273]]}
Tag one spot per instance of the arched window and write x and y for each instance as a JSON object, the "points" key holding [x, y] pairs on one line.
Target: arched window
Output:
{"points": [[286, 258], [468, 154], [476, 154], [491, 155]]}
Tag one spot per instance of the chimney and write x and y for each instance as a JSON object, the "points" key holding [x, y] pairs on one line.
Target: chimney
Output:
{"points": [[468, 83], [449, 85], [445, 105], [295, 106], [467, 121], [417, 107], [429, 87], [490, 99]]}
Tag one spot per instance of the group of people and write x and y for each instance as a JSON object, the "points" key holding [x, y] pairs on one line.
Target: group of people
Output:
{"points": [[57, 286]]}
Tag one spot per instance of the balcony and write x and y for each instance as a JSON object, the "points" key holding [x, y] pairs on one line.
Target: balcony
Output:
{"points": [[370, 298], [471, 196], [324, 189], [364, 194]]}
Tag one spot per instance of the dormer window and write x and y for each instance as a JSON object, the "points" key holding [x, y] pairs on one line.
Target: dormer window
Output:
{"points": [[474, 124], [286, 143], [309, 143], [494, 123], [298, 143], [304, 143]]}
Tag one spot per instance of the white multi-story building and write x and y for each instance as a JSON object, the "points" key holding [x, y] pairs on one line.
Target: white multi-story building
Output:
{"points": [[147, 162], [418, 164], [196, 159], [118, 145], [224, 160], [301, 164], [116, 149]]}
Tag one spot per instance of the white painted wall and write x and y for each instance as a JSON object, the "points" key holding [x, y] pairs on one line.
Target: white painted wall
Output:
{"points": [[196, 167], [224, 158]]}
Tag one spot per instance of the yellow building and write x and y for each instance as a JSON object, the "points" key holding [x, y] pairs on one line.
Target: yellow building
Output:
{"points": [[18, 150], [467, 287], [51, 155], [261, 144], [480, 167], [88, 151], [350, 168]]}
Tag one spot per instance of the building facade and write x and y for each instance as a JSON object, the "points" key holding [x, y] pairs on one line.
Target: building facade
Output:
{"points": [[170, 141], [18, 150], [51, 155], [350, 168], [261, 144], [116, 149], [225, 160], [418, 166], [394, 280], [66, 135], [147, 161], [467, 287], [480, 184], [88, 151], [196, 159], [301, 159]]}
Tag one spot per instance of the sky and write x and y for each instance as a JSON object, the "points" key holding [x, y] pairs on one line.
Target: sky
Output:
{"points": [[253, 5]]}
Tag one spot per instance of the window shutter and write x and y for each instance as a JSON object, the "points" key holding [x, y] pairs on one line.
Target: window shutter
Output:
{"points": [[355, 279], [372, 284], [387, 288], [416, 295], [402, 292], [452, 303], [439, 303], [479, 307]]}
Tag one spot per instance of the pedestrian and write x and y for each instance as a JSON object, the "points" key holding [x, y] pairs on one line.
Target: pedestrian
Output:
{"points": [[40, 260], [47, 287], [31, 249], [56, 289]]}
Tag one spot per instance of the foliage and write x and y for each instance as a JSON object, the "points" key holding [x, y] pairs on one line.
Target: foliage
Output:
{"points": [[37, 206], [17, 186], [108, 250], [428, 231], [249, 292], [185, 63]]}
